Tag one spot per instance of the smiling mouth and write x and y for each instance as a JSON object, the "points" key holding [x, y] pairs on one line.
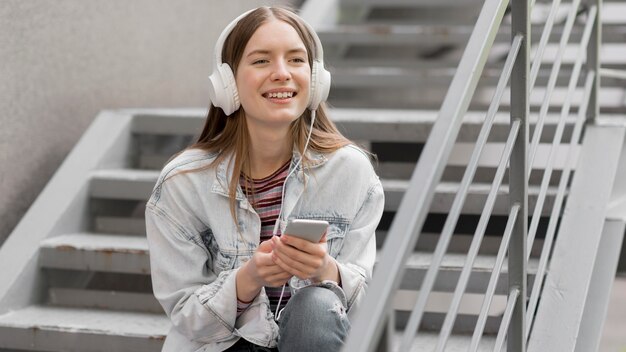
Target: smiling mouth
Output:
{"points": [[280, 95]]}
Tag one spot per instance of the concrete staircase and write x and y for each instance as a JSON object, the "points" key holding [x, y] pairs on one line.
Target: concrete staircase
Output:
{"points": [[76, 273]]}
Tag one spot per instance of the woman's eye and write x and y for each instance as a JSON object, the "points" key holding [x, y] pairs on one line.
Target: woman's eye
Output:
{"points": [[299, 59], [260, 61]]}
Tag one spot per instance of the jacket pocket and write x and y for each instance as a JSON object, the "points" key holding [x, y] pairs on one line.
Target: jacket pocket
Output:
{"points": [[218, 260]]}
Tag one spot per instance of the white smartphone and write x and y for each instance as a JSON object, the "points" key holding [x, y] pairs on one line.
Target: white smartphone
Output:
{"points": [[310, 230]]}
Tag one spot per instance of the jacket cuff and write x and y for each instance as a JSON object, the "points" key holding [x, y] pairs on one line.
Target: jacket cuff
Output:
{"points": [[352, 282], [220, 297]]}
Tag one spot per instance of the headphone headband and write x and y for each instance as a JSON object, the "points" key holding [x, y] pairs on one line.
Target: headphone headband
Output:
{"points": [[223, 91]]}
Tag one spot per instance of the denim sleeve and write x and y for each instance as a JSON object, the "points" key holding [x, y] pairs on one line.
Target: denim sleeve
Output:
{"points": [[201, 305], [358, 254]]}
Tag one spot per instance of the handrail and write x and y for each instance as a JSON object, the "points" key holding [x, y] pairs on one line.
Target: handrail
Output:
{"points": [[556, 210], [455, 211], [411, 214], [559, 131], [518, 182], [545, 35], [518, 154], [514, 295], [478, 236], [543, 112], [612, 73], [493, 279]]}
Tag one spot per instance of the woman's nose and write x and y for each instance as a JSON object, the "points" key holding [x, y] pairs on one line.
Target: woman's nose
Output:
{"points": [[280, 72]]}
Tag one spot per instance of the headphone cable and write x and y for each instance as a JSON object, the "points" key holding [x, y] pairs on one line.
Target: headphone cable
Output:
{"points": [[308, 138]]}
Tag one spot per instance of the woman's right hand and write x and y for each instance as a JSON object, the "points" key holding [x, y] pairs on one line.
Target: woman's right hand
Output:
{"points": [[259, 271]]}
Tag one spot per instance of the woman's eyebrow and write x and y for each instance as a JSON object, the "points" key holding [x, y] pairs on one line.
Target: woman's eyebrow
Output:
{"points": [[265, 52]]}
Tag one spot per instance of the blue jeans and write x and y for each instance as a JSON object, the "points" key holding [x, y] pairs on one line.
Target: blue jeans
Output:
{"points": [[314, 320]]}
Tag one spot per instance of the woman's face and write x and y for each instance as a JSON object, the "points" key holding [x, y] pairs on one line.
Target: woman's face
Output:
{"points": [[274, 75]]}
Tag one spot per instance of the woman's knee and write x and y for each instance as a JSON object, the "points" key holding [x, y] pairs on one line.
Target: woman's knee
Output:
{"points": [[314, 318]]}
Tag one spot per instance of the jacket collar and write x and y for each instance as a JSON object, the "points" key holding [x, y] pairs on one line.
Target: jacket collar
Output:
{"points": [[224, 171]]}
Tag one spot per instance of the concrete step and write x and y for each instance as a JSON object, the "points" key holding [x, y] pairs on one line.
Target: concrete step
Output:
{"points": [[123, 184], [612, 56], [437, 307], [427, 341], [474, 203], [414, 35], [390, 35], [466, 12], [610, 6], [427, 78], [96, 252], [426, 242], [450, 270], [412, 3], [120, 225], [459, 243], [612, 99], [129, 254], [408, 125], [128, 184], [44, 328], [103, 299], [415, 125], [460, 157]]}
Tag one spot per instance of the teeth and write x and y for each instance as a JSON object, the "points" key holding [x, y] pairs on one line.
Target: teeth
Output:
{"points": [[280, 95]]}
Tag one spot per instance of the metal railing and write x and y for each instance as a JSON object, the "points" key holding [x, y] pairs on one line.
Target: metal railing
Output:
{"points": [[518, 154]]}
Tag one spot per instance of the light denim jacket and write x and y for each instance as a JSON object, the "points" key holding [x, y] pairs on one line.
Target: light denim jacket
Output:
{"points": [[195, 249]]}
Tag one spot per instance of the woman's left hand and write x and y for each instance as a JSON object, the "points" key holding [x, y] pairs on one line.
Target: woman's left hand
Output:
{"points": [[304, 259]]}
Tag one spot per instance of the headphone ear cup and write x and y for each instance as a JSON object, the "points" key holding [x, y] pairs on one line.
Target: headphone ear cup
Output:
{"points": [[223, 89], [320, 85]]}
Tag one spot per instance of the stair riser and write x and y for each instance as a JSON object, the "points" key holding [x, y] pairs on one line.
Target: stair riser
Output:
{"points": [[131, 262], [447, 280], [50, 339], [141, 190], [164, 135], [414, 36], [611, 99], [113, 300], [464, 324]]}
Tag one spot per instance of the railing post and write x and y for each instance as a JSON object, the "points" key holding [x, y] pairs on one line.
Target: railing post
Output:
{"points": [[518, 176], [593, 60], [385, 342]]}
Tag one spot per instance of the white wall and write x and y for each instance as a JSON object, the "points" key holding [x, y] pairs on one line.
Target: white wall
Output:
{"points": [[63, 61]]}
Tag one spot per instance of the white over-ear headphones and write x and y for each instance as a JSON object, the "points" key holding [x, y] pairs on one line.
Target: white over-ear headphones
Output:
{"points": [[223, 89]]}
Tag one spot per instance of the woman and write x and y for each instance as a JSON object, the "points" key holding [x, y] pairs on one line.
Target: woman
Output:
{"points": [[268, 153]]}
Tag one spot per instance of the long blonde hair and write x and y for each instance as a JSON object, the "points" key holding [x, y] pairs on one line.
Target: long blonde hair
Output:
{"points": [[228, 135]]}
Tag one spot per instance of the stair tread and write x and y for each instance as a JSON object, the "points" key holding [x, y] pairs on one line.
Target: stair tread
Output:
{"points": [[373, 77], [139, 245], [456, 261], [108, 299], [98, 242], [125, 174], [612, 12], [612, 55], [421, 3], [427, 340], [357, 122], [137, 185], [94, 252], [453, 187], [107, 322], [381, 115], [130, 175]]}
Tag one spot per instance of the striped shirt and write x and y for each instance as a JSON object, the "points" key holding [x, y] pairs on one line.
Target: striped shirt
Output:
{"points": [[266, 199]]}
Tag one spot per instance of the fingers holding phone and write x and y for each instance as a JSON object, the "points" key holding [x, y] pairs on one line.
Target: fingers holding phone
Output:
{"points": [[259, 271], [302, 251]]}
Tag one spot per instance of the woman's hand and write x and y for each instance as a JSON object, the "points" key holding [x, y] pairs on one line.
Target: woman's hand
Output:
{"points": [[259, 271], [304, 259]]}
